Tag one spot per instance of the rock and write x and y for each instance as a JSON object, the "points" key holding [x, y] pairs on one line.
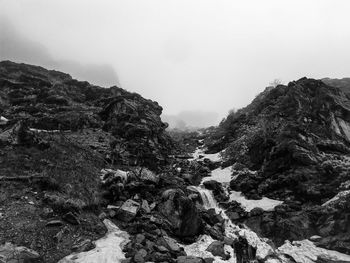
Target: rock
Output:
{"points": [[3, 120], [140, 238], [162, 249], [71, 218], [217, 249], [54, 223], [148, 176], [181, 212], [208, 260], [145, 207], [102, 216], [128, 210], [140, 256], [169, 243], [228, 241], [17, 254], [188, 259], [315, 238], [256, 211], [84, 245]]}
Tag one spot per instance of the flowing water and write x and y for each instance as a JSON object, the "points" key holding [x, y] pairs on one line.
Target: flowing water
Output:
{"points": [[302, 251]]}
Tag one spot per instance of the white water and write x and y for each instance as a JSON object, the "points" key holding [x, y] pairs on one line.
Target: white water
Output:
{"points": [[302, 251], [108, 249]]}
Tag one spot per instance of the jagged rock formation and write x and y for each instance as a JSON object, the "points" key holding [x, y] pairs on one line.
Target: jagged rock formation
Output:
{"points": [[52, 100], [297, 138]]}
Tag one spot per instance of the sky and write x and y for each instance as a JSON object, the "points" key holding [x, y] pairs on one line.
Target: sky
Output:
{"points": [[208, 56]]}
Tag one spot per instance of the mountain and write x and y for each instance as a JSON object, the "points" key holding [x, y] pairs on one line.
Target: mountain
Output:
{"points": [[292, 144], [52, 100]]}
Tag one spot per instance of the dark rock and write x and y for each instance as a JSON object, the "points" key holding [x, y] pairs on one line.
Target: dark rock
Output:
{"points": [[188, 259], [217, 249], [18, 254], [140, 256], [139, 239], [54, 223], [71, 218], [181, 213], [83, 246]]}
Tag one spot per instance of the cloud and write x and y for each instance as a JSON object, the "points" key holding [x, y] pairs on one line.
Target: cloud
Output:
{"points": [[15, 47]]}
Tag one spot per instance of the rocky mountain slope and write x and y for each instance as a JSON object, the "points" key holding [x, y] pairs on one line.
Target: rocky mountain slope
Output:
{"points": [[296, 138], [89, 173], [52, 100]]}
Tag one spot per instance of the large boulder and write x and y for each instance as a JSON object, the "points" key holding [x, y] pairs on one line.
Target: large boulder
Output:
{"points": [[181, 213], [128, 210], [216, 248]]}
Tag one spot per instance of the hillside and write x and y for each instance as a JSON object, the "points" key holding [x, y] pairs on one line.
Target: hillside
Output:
{"points": [[90, 174], [296, 138]]}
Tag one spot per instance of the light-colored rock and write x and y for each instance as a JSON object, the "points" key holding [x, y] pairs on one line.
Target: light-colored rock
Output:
{"points": [[305, 251], [128, 210]]}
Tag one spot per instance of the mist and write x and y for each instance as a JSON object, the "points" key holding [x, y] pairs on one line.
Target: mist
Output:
{"points": [[190, 56]]}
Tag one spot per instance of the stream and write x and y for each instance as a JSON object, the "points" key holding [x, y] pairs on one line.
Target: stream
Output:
{"points": [[109, 248]]}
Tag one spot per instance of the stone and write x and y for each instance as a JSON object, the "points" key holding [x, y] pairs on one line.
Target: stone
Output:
{"points": [[128, 210], [140, 256], [188, 259], [17, 254], [162, 249], [71, 218], [315, 238], [54, 223], [228, 241], [83, 246], [169, 243], [145, 207], [217, 249], [208, 260], [181, 212], [140, 238]]}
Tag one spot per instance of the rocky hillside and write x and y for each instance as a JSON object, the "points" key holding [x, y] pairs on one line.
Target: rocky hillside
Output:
{"points": [[52, 100], [296, 138], [56, 135]]}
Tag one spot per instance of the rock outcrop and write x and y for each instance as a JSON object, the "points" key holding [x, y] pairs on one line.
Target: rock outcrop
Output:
{"points": [[297, 139], [52, 100]]}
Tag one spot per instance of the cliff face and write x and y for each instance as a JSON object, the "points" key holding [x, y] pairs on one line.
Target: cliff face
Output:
{"points": [[52, 100]]}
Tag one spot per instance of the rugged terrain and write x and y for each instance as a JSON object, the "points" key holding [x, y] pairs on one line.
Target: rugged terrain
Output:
{"points": [[81, 163], [296, 138]]}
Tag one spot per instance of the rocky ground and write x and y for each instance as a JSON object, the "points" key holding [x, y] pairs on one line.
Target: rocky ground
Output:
{"points": [[81, 163]]}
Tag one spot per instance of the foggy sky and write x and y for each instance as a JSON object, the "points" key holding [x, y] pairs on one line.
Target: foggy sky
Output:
{"points": [[203, 55]]}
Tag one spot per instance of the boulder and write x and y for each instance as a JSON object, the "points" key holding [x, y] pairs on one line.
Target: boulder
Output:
{"points": [[17, 254], [147, 175], [145, 207], [169, 243], [188, 259], [181, 213], [216, 248], [128, 210]]}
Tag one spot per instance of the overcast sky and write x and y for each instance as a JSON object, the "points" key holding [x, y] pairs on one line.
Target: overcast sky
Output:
{"points": [[200, 55]]}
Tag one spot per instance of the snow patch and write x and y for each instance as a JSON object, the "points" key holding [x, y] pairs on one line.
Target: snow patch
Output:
{"points": [[108, 249], [305, 251], [265, 203], [221, 175]]}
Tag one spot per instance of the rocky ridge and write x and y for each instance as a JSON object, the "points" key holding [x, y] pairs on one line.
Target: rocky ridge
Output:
{"points": [[296, 140]]}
